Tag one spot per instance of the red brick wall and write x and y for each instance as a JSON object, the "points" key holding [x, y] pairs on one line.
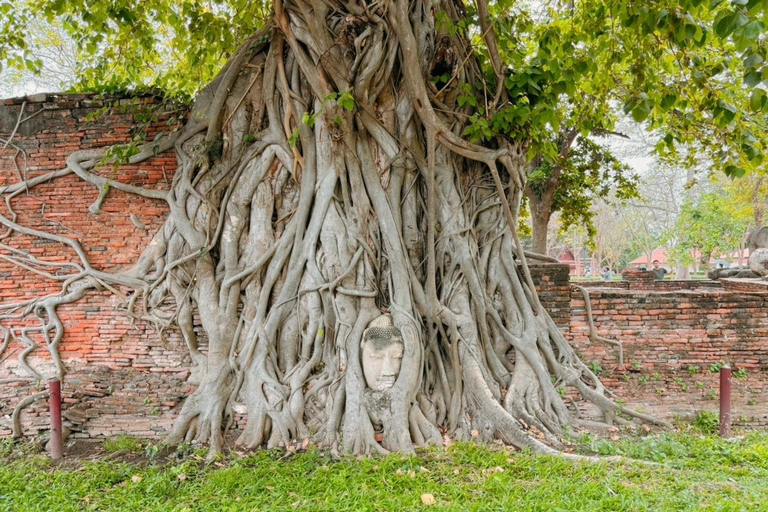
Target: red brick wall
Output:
{"points": [[121, 376], [552, 283], [124, 377], [670, 340]]}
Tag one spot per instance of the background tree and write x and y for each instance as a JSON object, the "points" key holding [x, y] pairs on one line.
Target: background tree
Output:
{"points": [[622, 235], [650, 218], [675, 77], [747, 198], [584, 172], [361, 157], [711, 225]]}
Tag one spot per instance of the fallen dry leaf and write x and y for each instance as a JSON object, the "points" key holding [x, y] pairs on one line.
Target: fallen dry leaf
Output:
{"points": [[182, 477], [428, 499], [136, 479]]}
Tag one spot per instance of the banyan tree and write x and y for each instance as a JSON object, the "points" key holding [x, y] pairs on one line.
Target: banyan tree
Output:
{"points": [[353, 259]]}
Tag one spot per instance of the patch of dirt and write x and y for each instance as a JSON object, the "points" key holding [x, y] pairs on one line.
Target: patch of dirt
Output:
{"points": [[83, 449]]}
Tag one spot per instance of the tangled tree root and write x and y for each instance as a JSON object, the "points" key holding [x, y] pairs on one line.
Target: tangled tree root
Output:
{"points": [[323, 180]]}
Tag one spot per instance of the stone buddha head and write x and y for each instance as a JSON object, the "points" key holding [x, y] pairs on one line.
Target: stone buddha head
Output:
{"points": [[382, 353]]}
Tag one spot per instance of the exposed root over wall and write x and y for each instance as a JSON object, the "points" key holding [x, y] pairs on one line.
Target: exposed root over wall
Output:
{"points": [[323, 181]]}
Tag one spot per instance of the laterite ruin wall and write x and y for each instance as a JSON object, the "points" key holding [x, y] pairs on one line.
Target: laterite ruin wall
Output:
{"points": [[124, 377], [675, 336]]}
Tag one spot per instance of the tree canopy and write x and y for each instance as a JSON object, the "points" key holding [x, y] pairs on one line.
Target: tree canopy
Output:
{"points": [[555, 71], [693, 69], [169, 46]]}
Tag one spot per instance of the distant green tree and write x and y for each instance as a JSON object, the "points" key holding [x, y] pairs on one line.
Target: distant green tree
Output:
{"points": [[712, 224]]}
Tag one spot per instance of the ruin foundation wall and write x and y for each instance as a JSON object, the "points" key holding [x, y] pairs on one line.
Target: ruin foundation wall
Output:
{"points": [[125, 377]]}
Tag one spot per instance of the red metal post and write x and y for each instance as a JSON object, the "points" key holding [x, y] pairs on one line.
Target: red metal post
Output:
{"points": [[725, 401], [54, 387]]}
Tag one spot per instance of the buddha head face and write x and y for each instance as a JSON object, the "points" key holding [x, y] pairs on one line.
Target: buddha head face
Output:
{"points": [[382, 353]]}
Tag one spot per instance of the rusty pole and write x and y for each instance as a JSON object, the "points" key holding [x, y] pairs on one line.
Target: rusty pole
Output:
{"points": [[725, 401], [54, 387]]}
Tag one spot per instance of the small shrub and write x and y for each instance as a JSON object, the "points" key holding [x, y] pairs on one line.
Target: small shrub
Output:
{"points": [[715, 367], [596, 368], [741, 373], [184, 449], [151, 450], [707, 422], [693, 369]]}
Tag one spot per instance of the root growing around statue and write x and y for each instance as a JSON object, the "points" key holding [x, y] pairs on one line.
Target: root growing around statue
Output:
{"points": [[323, 180]]}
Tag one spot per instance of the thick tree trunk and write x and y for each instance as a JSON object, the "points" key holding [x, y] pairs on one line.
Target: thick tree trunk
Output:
{"points": [[681, 272], [317, 188], [540, 202], [540, 216]]}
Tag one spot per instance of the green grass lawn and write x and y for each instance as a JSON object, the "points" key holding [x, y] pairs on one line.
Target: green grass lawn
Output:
{"points": [[692, 472]]}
